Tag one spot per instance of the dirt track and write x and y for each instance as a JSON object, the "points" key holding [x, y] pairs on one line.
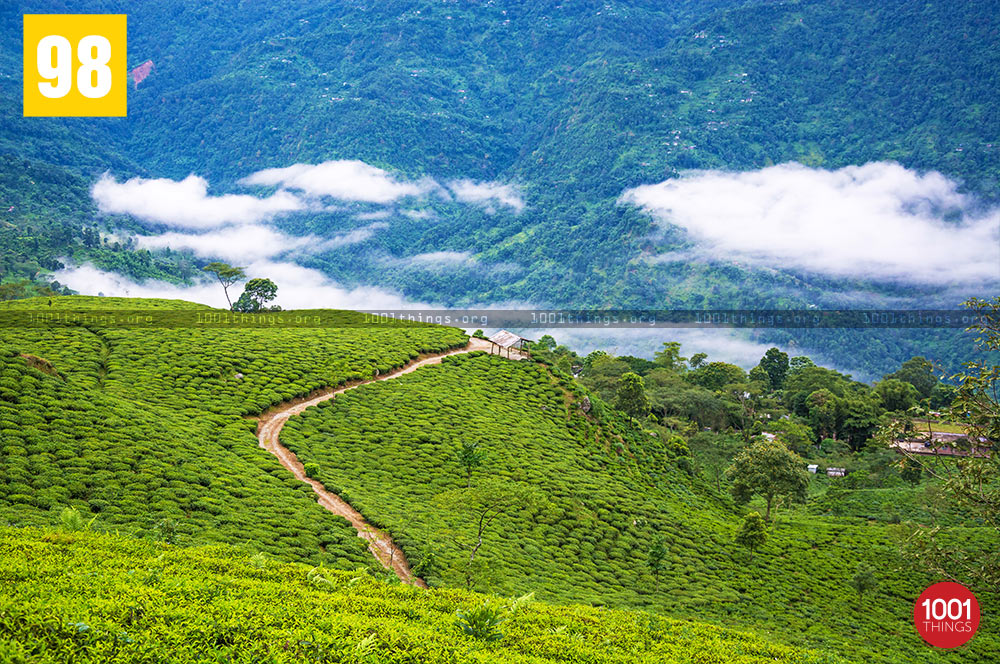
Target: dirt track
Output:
{"points": [[269, 428]]}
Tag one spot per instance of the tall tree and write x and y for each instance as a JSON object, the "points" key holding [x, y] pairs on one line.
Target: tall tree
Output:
{"points": [[823, 408], [631, 395], [657, 558], [471, 456], [768, 469], [918, 372], [896, 396], [669, 356], [775, 363], [227, 276], [256, 294], [864, 581]]}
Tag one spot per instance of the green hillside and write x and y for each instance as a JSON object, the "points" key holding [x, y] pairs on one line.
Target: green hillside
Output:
{"points": [[145, 428], [607, 492], [148, 433], [86, 597]]}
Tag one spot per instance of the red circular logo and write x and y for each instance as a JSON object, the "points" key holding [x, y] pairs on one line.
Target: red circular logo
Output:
{"points": [[946, 615]]}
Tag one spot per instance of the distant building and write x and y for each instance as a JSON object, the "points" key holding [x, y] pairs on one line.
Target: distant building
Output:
{"points": [[812, 468], [510, 341], [836, 472], [941, 443]]}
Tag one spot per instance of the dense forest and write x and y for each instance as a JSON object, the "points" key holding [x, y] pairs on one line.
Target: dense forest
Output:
{"points": [[574, 104]]}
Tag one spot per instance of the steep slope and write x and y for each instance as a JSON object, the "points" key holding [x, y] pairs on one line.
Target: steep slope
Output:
{"points": [[575, 102], [607, 491], [151, 438]]}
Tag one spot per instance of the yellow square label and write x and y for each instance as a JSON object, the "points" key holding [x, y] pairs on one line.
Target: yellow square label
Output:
{"points": [[74, 65]]}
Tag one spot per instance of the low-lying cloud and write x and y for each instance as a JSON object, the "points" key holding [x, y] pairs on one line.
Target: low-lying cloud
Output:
{"points": [[878, 221], [235, 244], [298, 288], [187, 204], [240, 244], [487, 194], [346, 180]]}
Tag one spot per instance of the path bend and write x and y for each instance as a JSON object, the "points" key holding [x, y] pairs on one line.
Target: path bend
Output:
{"points": [[269, 427]]}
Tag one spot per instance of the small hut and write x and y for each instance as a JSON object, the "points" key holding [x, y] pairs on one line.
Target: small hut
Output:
{"points": [[504, 339]]}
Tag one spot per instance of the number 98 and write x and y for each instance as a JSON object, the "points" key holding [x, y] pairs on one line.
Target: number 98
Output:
{"points": [[93, 78]]}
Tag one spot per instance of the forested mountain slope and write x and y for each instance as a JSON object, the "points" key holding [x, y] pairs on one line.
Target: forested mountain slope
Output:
{"points": [[573, 102]]}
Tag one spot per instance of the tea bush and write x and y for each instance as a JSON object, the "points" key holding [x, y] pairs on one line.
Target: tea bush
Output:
{"points": [[101, 598]]}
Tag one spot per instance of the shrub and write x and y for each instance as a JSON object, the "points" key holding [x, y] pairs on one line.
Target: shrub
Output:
{"points": [[482, 622]]}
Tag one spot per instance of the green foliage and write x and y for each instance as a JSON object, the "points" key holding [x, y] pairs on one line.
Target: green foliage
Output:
{"points": [[484, 504], [975, 483], [657, 556], [609, 491], [471, 456], [311, 469], [767, 468], [716, 375], [631, 396], [753, 533], [144, 427], [482, 622], [911, 471], [97, 598], [255, 296], [896, 395], [73, 522], [918, 372], [864, 581], [775, 364], [227, 276], [669, 357]]}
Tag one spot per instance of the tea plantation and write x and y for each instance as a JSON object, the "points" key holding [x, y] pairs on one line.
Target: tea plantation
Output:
{"points": [[86, 597], [607, 493], [146, 432], [149, 434]]}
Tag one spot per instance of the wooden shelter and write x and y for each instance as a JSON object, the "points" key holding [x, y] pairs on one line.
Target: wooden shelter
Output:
{"points": [[504, 339]]}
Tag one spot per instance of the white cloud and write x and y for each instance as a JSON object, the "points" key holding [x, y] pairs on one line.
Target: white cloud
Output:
{"points": [[487, 194], [720, 345], [242, 244], [432, 260], [418, 214], [376, 214], [441, 257], [347, 180], [234, 244], [877, 221], [350, 237], [186, 204], [298, 288]]}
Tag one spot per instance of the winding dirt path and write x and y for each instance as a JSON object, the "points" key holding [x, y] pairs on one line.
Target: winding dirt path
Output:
{"points": [[269, 427]]}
